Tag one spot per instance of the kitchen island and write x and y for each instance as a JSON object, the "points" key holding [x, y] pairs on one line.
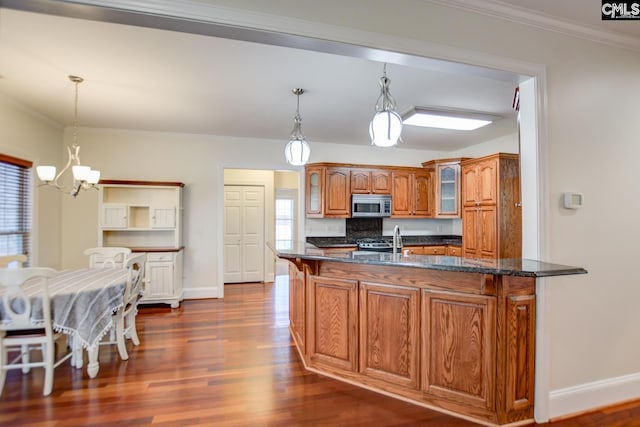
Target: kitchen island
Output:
{"points": [[449, 333]]}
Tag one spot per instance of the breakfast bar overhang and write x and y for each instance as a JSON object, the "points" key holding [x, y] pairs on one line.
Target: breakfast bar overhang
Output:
{"points": [[449, 333]]}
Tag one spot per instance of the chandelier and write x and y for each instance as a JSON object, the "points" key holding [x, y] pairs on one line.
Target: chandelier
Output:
{"points": [[83, 176], [386, 126], [297, 150]]}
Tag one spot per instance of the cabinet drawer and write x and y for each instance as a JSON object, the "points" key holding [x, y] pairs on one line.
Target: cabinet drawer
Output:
{"points": [[435, 250], [454, 250], [159, 256]]}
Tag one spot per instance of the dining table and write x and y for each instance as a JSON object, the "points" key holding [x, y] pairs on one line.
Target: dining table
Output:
{"points": [[83, 302]]}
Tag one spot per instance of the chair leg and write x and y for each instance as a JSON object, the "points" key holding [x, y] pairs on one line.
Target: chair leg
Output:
{"points": [[119, 327], [24, 351], [3, 361], [131, 326], [48, 356]]}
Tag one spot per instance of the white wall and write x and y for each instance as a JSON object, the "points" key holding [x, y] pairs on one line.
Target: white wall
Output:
{"points": [[27, 135]]}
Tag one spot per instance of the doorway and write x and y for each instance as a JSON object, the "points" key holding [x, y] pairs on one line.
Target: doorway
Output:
{"points": [[244, 233]]}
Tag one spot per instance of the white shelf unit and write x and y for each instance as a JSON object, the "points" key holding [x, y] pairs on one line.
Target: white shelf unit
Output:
{"points": [[146, 216]]}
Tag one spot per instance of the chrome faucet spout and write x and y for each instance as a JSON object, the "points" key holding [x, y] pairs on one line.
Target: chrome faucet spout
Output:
{"points": [[397, 240]]}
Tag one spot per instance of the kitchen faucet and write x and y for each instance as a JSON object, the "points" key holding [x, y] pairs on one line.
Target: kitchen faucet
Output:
{"points": [[397, 240]]}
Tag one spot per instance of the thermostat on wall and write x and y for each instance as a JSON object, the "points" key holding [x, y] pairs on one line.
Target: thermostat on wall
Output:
{"points": [[573, 200]]}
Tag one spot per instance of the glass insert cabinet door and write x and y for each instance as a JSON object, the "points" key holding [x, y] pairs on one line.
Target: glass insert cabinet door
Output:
{"points": [[314, 191], [448, 202]]}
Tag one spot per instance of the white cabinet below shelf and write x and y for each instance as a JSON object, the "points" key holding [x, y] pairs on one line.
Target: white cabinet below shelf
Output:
{"points": [[163, 278]]}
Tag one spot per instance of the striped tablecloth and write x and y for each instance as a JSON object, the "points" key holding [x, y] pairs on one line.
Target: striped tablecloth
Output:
{"points": [[83, 302]]}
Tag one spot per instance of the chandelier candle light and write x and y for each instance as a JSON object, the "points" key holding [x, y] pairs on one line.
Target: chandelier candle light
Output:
{"points": [[83, 176], [297, 150], [386, 126]]}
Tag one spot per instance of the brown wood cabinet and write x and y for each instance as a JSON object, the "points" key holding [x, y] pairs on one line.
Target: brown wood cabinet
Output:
{"points": [[461, 342], [491, 214], [370, 181], [389, 333], [454, 250], [327, 191], [459, 349], [333, 323], [412, 193], [446, 186], [337, 190]]}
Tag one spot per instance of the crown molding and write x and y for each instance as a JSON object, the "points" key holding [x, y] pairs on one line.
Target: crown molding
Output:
{"points": [[506, 11]]}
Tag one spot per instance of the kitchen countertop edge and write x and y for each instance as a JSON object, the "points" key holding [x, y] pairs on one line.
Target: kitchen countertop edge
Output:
{"points": [[505, 267]]}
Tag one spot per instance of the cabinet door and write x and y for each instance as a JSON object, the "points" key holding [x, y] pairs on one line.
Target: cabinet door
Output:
{"points": [[487, 231], [470, 183], [459, 348], [401, 194], [423, 194], [314, 182], [447, 191], [337, 200], [470, 243], [381, 182], [114, 216], [389, 333], [488, 181], [360, 181], [333, 323], [159, 281], [163, 217]]}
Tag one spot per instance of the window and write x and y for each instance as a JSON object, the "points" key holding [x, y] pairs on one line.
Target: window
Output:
{"points": [[15, 205], [285, 218]]}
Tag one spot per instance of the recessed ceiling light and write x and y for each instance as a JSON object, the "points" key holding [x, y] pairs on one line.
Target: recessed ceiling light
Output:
{"points": [[447, 119]]}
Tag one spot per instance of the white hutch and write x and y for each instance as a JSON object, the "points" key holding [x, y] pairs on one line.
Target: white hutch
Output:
{"points": [[146, 216]]}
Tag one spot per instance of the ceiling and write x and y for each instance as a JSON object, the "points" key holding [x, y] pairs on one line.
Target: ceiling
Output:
{"points": [[177, 81]]}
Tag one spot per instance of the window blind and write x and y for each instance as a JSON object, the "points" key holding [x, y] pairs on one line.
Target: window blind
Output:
{"points": [[15, 206]]}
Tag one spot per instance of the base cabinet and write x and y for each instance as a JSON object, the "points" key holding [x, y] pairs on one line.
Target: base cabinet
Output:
{"points": [[333, 323], [389, 333], [162, 279], [459, 349], [460, 342]]}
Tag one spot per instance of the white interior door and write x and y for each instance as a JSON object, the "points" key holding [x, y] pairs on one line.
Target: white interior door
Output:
{"points": [[243, 234]]}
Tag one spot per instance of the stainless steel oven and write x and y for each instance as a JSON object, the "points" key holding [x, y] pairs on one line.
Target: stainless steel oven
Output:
{"points": [[370, 205]]}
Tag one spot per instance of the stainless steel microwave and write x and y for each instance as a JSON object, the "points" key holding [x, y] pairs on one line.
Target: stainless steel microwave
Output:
{"points": [[370, 205]]}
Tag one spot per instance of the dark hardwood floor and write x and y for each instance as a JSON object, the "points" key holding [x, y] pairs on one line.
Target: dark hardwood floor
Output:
{"points": [[226, 362]]}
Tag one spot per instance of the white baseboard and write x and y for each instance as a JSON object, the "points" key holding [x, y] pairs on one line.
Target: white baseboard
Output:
{"points": [[590, 396], [200, 293]]}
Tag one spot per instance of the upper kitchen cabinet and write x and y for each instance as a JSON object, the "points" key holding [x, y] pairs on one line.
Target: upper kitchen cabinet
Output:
{"points": [[370, 181], [328, 191], [412, 193], [491, 212], [446, 186], [314, 179]]}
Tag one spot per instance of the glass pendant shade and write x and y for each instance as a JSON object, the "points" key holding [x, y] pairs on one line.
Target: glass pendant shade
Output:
{"points": [[386, 125], [297, 152], [46, 173], [385, 129]]}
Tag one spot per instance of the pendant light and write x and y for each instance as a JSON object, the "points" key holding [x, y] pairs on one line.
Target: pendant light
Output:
{"points": [[386, 126], [83, 176], [297, 150]]}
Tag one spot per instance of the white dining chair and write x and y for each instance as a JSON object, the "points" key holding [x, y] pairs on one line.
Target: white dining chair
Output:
{"points": [[107, 256], [124, 320], [9, 260], [17, 331]]}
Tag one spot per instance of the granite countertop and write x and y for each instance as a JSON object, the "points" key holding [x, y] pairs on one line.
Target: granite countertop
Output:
{"points": [[505, 267], [338, 242]]}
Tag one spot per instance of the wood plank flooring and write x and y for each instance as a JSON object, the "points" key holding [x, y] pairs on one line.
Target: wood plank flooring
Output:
{"points": [[227, 362]]}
